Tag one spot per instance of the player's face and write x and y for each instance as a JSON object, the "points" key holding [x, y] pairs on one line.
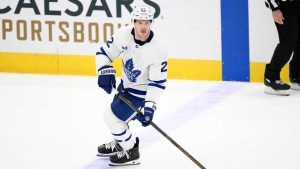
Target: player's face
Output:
{"points": [[142, 28]]}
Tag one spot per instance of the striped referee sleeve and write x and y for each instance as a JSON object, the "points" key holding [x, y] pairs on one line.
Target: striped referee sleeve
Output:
{"points": [[272, 4]]}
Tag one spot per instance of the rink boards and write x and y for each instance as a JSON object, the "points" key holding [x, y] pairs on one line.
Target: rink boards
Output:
{"points": [[206, 41], [85, 65]]}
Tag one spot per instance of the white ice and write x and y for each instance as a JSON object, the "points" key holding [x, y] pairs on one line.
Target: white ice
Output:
{"points": [[55, 122]]}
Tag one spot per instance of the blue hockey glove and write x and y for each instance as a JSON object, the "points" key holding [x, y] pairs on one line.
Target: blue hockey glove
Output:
{"points": [[106, 78], [148, 109]]}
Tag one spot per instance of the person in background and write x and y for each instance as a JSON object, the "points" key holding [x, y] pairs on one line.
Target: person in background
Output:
{"points": [[286, 15]]}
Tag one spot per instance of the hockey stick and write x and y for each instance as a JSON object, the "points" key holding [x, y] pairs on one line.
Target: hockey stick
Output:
{"points": [[160, 130]]}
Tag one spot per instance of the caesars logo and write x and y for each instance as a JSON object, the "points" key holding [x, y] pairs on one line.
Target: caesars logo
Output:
{"points": [[63, 30]]}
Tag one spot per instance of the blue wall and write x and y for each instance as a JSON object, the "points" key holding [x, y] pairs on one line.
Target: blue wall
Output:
{"points": [[235, 40]]}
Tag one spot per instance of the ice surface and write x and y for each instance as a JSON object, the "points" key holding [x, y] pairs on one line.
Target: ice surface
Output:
{"points": [[55, 122]]}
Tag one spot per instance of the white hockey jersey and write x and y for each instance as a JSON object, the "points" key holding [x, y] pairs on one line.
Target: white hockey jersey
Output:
{"points": [[144, 72]]}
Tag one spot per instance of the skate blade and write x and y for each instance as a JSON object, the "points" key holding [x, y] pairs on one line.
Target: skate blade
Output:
{"points": [[269, 90], [295, 86], [134, 162], [105, 155]]}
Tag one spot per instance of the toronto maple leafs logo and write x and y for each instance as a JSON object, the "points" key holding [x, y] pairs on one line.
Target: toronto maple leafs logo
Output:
{"points": [[131, 74]]}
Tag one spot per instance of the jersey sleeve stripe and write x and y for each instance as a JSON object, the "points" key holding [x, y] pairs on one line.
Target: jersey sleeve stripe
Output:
{"points": [[271, 4], [102, 52]]}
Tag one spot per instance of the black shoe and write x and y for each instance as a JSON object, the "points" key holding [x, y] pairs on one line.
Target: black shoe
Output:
{"points": [[277, 87], [295, 83], [109, 149], [126, 157]]}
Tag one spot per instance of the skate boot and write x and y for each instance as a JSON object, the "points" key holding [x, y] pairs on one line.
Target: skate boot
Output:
{"points": [[126, 157], [295, 83], [109, 149], [277, 87]]}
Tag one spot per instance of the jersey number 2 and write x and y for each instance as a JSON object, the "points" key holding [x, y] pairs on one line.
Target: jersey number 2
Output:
{"points": [[164, 66]]}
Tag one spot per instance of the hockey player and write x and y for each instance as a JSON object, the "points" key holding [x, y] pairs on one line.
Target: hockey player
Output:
{"points": [[143, 81]]}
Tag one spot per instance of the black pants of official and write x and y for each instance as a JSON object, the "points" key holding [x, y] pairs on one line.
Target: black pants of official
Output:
{"points": [[289, 43]]}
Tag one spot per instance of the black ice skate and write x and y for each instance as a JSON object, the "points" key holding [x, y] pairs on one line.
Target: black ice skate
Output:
{"points": [[277, 87], [126, 157], [295, 83], [109, 149]]}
